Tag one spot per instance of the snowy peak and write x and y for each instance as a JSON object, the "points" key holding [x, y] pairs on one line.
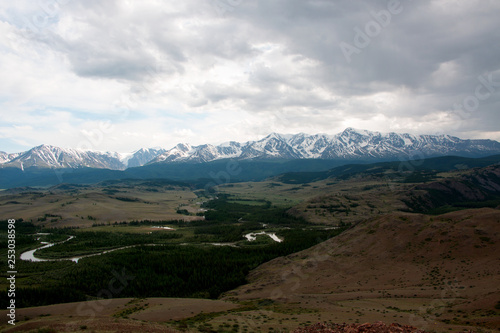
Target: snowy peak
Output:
{"points": [[183, 152], [272, 146], [349, 144], [142, 156], [178, 152], [46, 156], [4, 157], [350, 131], [281, 137]]}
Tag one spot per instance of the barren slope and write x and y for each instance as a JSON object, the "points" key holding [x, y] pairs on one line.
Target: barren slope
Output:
{"points": [[433, 269]]}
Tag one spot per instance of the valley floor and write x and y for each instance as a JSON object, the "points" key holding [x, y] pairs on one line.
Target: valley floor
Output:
{"points": [[437, 273]]}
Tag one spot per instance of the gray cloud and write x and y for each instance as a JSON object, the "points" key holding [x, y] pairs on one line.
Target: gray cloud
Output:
{"points": [[283, 59]]}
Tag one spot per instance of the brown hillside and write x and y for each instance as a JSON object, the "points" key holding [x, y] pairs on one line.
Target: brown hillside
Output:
{"points": [[377, 327], [432, 269], [433, 273], [473, 186]]}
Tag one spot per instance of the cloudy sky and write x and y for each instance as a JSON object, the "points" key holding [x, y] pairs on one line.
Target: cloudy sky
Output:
{"points": [[120, 74]]}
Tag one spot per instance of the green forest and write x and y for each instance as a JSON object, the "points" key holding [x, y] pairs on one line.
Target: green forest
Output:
{"points": [[158, 265]]}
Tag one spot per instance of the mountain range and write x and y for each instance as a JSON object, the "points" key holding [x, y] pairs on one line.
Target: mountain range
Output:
{"points": [[351, 144]]}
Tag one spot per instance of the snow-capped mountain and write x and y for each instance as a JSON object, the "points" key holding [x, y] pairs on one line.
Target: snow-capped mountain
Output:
{"points": [[4, 157], [46, 156], [184, 152], [141, 157], [350, 144]]}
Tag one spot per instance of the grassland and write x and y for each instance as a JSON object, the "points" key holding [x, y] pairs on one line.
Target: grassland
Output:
{"points": [[197, 258], [329, 202], [83, 206], [437, 272]]}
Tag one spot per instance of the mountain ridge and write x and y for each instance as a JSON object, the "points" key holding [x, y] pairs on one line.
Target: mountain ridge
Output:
{"points": [[349, 144]]}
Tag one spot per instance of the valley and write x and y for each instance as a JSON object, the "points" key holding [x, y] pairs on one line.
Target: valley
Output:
{"points": [[232, 166], [417, 247]]}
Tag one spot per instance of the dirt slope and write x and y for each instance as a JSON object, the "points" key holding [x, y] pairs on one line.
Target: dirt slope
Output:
{"points": [[111, 315], [435, 273], [435, 270]]}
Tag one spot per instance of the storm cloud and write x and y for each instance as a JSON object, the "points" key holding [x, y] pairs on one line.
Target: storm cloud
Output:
{"points": [[160, 72]]}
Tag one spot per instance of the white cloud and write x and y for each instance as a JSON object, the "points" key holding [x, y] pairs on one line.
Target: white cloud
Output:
{"points": [[163, 72]]}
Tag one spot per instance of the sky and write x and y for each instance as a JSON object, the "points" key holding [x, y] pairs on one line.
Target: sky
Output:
{"points": [[120, 75]]}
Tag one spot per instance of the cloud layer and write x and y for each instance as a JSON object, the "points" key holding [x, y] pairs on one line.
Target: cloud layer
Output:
{"points": [[120, 75]]}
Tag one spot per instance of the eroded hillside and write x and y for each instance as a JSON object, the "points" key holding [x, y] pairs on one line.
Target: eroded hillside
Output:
{"points": [[433, 271]]}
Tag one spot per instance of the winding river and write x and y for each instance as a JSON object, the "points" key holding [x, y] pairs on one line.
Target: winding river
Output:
{"points": [[30, 255], [253, 236]]}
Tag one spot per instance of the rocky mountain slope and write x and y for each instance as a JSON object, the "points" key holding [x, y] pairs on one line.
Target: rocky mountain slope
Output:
{"points": [[479, 186], [141, 157], [430, 270], [45, 156], [351, 144]]}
